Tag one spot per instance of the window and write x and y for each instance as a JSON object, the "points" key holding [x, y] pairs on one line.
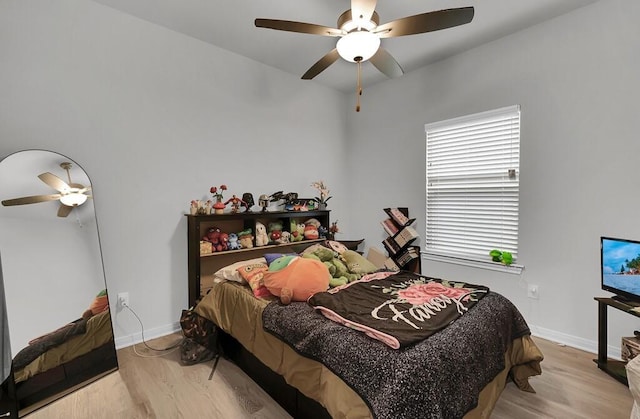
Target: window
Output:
{"points": [[473, 186]]}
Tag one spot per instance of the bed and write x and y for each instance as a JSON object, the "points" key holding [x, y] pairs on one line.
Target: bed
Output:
{"points": [[306, 380], [56, 363]]}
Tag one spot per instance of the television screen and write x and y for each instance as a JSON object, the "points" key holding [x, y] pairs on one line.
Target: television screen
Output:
{"points": [[621, 267]]}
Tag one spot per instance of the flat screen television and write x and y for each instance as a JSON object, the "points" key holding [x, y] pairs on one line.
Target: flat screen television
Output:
{"points": [[620, 268]]}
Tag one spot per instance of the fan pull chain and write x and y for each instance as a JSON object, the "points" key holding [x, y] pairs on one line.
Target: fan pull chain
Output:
{"points": [[359, 85]]}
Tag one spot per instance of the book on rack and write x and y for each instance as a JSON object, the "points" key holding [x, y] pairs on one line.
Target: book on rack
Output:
{"points": [[391, 245], [407, 256], [406, 235], [400, 216], [391, 265], [389, 226]]}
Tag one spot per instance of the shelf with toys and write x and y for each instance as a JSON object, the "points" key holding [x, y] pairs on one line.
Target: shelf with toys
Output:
{"points": [[221, 232], [256, 233]]}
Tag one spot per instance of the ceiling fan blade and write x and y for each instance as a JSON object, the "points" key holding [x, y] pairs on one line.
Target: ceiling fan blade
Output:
{"points": [[363, 9], [30, 200], [426, 22], [55, 182], [301, 27], [387, 65], [64, 210], [322, 64]]}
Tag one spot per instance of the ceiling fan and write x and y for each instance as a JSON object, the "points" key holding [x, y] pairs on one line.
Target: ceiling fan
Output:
{"points": [[70, 194], [360, 32]]}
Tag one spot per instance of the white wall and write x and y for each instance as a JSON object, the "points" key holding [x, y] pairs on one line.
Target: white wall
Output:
{"points": [[50, 275], [576, 79], [157, 118]]}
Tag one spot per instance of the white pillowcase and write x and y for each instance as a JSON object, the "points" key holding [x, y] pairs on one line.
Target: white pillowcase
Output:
{"points": [[230, 272]]}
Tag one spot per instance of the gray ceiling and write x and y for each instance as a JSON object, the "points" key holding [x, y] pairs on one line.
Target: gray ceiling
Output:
{"points": [[229, 25]]}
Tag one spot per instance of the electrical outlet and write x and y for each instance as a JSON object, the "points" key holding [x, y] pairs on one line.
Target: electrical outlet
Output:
{"points": [[123, 299], [532, 291]]}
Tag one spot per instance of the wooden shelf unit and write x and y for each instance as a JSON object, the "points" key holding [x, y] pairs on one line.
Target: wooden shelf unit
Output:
{"points": [[207, 264], [399, 243], [613, 367]]}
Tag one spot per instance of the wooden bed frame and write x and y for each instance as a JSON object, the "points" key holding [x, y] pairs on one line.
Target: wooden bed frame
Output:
{"points": [[46, 387], [295, 403]]}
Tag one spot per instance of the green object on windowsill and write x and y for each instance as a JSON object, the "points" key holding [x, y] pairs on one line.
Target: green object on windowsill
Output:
{"points": [[505, 258]]}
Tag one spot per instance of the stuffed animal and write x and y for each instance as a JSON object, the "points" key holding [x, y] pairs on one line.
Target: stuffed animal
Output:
{"points": [[213, 237], [297, 231], [262, 239], [322, 232], [275, 230], [223, 242], [246, 239], [311, 232], [234, 244], [313, 221], [337, 247], [339, 272], [285, 237], [213, 233], [98, 305], [293, 278]]}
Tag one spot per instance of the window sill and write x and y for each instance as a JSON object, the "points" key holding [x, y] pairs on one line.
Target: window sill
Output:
{"points": [[513, 269]]}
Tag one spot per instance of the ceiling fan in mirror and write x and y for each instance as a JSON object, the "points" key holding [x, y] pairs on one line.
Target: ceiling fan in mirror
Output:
{"points": [[359, 32], [69, 194]]}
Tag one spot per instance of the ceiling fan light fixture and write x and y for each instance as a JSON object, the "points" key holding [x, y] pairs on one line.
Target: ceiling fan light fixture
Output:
{"points": [[73, 199], [347, 23], [356, 44]]}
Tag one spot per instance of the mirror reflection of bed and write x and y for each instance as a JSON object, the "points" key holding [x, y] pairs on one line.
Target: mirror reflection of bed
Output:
{"points": [[57, 311]]}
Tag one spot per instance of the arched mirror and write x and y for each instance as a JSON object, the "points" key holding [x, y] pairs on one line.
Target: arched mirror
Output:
{"points": [[57, 312]]}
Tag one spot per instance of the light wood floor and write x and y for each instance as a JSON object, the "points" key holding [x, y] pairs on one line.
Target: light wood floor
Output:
{"points": [[570, 387]]}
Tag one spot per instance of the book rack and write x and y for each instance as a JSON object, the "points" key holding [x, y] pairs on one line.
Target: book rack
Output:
{"points": [[402, 254]]}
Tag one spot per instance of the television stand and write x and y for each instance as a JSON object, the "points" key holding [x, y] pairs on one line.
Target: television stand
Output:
{"points": [[614, 368], [626, 301]]}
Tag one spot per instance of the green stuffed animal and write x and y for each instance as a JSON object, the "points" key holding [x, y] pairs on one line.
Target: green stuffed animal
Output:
{"points": [[340, 275], [297, 231]]}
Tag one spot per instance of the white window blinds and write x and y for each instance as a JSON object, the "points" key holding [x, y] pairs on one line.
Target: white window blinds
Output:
{"points": [[473, 184]]}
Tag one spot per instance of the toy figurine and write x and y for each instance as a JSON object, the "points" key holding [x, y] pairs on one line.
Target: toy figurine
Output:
{"points": [[234, 242], [263, 201], [247, 198], [235, 203]]}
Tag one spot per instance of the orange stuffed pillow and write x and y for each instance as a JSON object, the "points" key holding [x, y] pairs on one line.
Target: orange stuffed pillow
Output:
{"points": [[298, 280], [254, 275]]}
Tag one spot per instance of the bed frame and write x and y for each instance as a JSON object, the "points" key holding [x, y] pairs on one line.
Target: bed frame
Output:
{"points": [[295, 403], [44, 388]]}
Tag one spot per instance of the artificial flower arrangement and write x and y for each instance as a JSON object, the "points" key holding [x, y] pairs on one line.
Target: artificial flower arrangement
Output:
{"points": [[323, 190], [218, 206], [200, 207], [333, 229]]}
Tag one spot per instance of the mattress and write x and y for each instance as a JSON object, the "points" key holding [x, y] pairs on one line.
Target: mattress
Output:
{"points": [[98, 332], [234, 308]]}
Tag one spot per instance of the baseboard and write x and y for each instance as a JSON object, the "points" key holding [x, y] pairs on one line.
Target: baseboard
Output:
{"points": [[129, 340], [586, 345]]}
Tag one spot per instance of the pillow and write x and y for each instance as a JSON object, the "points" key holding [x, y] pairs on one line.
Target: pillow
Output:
{"points": [[254, 275], [230, 272], [270, 257], [358, 264], [335, 246]]}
